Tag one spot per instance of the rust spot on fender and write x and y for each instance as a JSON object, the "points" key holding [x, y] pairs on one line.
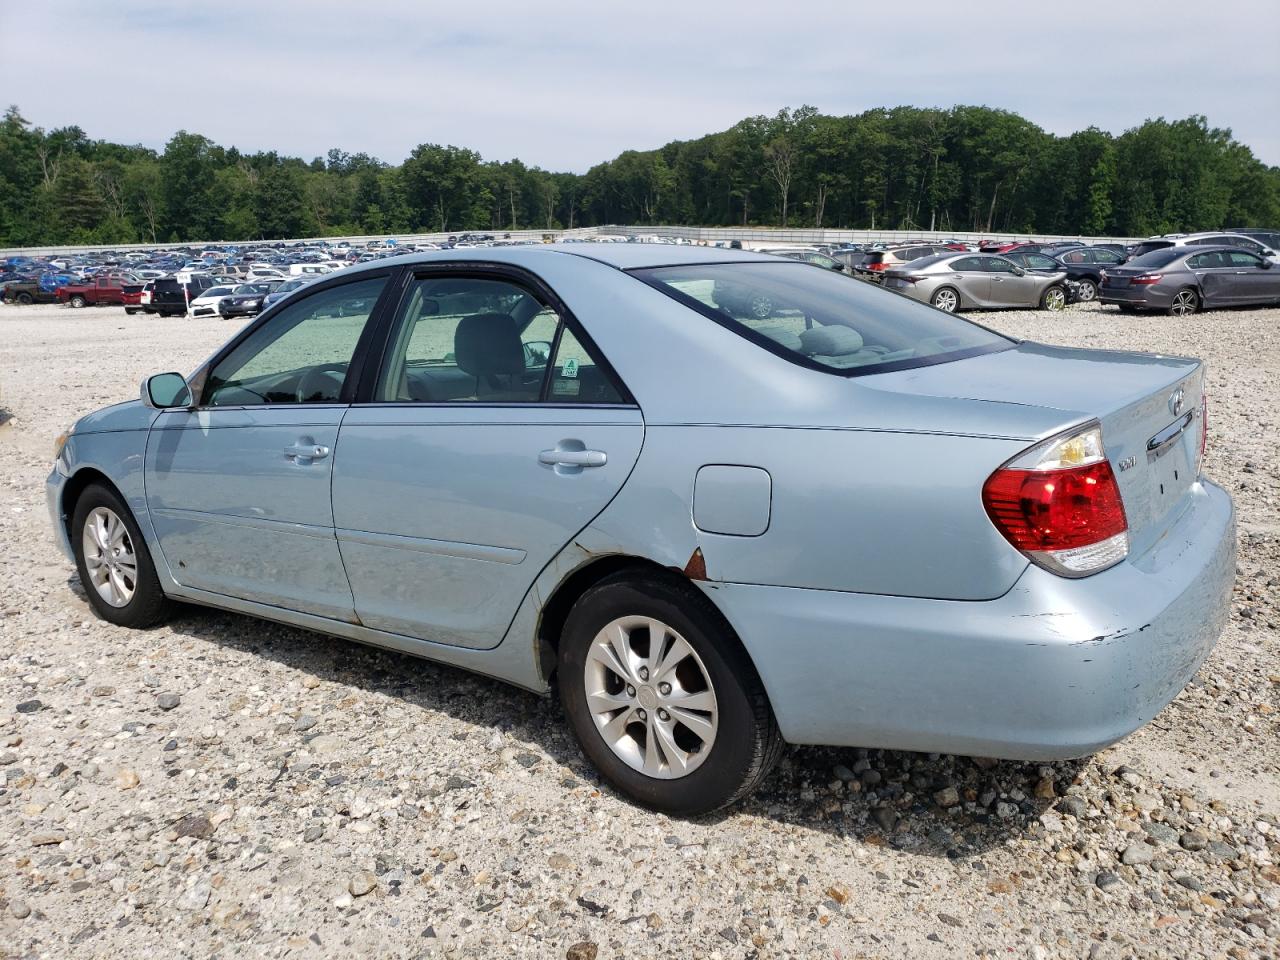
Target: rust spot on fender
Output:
{"points": [[696, 568]]}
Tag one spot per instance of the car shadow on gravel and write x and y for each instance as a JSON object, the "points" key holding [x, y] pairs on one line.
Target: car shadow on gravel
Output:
{"points": [[925, 804]]}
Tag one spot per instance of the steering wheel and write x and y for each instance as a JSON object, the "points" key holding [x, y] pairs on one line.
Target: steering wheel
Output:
{"points": [[323, 383]]}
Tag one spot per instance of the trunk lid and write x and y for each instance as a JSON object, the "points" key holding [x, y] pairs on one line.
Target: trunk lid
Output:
{"points": [[1149, 407]]}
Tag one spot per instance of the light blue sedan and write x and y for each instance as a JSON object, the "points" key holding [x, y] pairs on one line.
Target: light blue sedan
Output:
{"points": [[719, 501]]}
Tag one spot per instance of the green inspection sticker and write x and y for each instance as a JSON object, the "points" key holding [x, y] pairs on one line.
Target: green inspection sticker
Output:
{"points": [[570, 369]]}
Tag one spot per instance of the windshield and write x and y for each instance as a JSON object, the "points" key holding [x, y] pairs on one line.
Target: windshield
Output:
{"points": [[822, 319], [253, 288]]}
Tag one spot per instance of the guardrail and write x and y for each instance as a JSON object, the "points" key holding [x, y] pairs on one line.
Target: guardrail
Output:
{"points": [[754, 236]]}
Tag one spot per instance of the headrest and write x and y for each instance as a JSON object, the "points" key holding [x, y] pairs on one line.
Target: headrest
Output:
{"points": [[831, 341], [487, 343]]}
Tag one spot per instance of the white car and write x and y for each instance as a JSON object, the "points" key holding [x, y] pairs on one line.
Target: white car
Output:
{"points": [[206, 305], [264, 273]]}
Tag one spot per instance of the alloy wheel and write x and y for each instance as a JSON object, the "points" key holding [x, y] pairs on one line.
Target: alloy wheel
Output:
{"points": [[1184, 302], [761, 307], [651, 697], [946, 300], [109, 557], [1088, 291], [1055, 299]]}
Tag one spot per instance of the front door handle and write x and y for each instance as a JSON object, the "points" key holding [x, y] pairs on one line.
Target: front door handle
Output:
{"points": [[573, 458], [306, 451]]}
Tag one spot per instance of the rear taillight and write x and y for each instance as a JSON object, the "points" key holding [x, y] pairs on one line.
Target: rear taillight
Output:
{"points": [[1146, 279], [1060, 505], [878, 266]]}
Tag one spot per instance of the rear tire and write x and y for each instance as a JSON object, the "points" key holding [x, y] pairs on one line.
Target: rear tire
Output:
{"points": [[24, 299], [130, 310], [1185, 302], [946, 299], [129, 595], [732, 740], [1088, 290], [78, 301]]}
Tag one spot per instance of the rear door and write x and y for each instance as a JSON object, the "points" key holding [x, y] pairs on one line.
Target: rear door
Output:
{"points": [[493, 435], [1216, 276], [970, 276]]}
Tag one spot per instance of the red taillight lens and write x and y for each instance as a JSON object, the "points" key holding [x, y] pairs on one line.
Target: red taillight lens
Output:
{"points": [[1146, 280], [1059, 503], [878, 266]]}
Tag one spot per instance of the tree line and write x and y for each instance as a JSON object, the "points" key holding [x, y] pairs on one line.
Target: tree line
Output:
{"points": [[963, 169]]}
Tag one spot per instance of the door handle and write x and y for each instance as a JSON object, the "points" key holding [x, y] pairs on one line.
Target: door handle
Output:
{"points": [[573, 458], [306, 451]]}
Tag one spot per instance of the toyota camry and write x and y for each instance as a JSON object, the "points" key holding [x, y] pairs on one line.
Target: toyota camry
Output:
{"points": [[712, 528]]}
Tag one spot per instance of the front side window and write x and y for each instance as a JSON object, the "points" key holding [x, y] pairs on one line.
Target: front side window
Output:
{"points": [[301, 355], [1038, 262], [1239, 258], [822, 320]]}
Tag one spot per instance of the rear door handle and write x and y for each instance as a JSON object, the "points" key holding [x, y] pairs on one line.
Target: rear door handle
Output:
{"points": [[573, 458], [306, 451]]}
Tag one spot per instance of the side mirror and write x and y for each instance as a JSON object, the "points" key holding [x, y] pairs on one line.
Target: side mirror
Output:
{"points": [[537, 353], [1019, 272], [165, 391], [1267, 264]]}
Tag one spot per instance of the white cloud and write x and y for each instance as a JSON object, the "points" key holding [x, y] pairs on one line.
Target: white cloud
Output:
{"points": [[566, 85]]}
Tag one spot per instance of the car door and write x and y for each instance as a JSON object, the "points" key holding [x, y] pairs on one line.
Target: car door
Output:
{"points": [[1216, 277], [493, 435], [1008, 289], [1253, 280], [238, 486], [970, 276]]}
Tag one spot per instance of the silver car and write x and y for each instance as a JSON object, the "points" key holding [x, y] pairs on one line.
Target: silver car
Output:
{"points": [[1183, 279], [969, 281], [597, 469]]}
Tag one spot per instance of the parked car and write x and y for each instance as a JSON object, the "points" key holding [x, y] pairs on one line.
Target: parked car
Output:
{"points": [[967, 281], [144, 296], [206, 304], [1077, 291], [108, 288], [286, 288], [171, 295], [131, 296], [247, 299], [1203, 240], [811, 256], [1085, 265], [1182, 279], [1268, 236], [876, 262], [596, 500]]}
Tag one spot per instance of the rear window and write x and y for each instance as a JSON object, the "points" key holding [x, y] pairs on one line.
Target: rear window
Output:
{"points": [[822, 319], [1156, 258], [1148, 246]]}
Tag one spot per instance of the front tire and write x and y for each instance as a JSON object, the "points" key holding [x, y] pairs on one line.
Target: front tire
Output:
{"points": [[113, 561], [78, 301], [25, 299], [1185, 302], [662, 698], [1054, 298], [1088, 290]]}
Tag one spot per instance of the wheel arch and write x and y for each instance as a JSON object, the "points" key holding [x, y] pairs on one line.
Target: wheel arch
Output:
{"points": [[76, 485], [567, 592]]}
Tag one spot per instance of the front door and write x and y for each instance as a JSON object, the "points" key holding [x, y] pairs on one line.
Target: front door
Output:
{"points": [[1254, 279], [1008, 288], [494, 435], [238, 488]]}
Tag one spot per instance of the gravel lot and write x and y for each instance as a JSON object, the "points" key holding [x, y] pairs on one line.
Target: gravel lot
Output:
{"points": [[226, 786]]}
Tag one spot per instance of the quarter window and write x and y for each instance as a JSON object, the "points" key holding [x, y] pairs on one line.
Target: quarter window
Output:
{"points": [[301, 355]]}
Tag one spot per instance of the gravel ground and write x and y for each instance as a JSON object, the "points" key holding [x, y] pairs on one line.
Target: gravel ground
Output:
{"points": [[226, 786]]}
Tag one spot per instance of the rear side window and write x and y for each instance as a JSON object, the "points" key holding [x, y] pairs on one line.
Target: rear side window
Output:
{"points": [[821, 319]]}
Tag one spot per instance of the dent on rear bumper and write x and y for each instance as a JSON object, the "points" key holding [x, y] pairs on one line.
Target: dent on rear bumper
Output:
{"points": [[1054, 669]]}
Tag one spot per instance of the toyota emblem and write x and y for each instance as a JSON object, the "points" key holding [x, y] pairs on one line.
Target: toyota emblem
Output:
{"points": [[1175, 401]]}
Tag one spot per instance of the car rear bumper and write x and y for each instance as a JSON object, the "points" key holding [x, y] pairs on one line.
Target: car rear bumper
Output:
{"points": [[1054, 669], [1146, 296]]}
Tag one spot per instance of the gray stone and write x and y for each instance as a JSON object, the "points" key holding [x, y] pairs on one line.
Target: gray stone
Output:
{"points": [[1136, 854], [1161, 832], [947, 797], [312, 833], [1194, 840], [362, 883], [304, 722], [1222, 851], [1073, 806], [843, 773], [29, 706], [195, 825], [1190, 882], [168, 701], [20, 909], [886, 818], [1106, 880], [7, 758]]}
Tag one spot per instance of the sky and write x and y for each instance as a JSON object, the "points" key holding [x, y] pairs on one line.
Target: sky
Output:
{"points": [[567, 85]]}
